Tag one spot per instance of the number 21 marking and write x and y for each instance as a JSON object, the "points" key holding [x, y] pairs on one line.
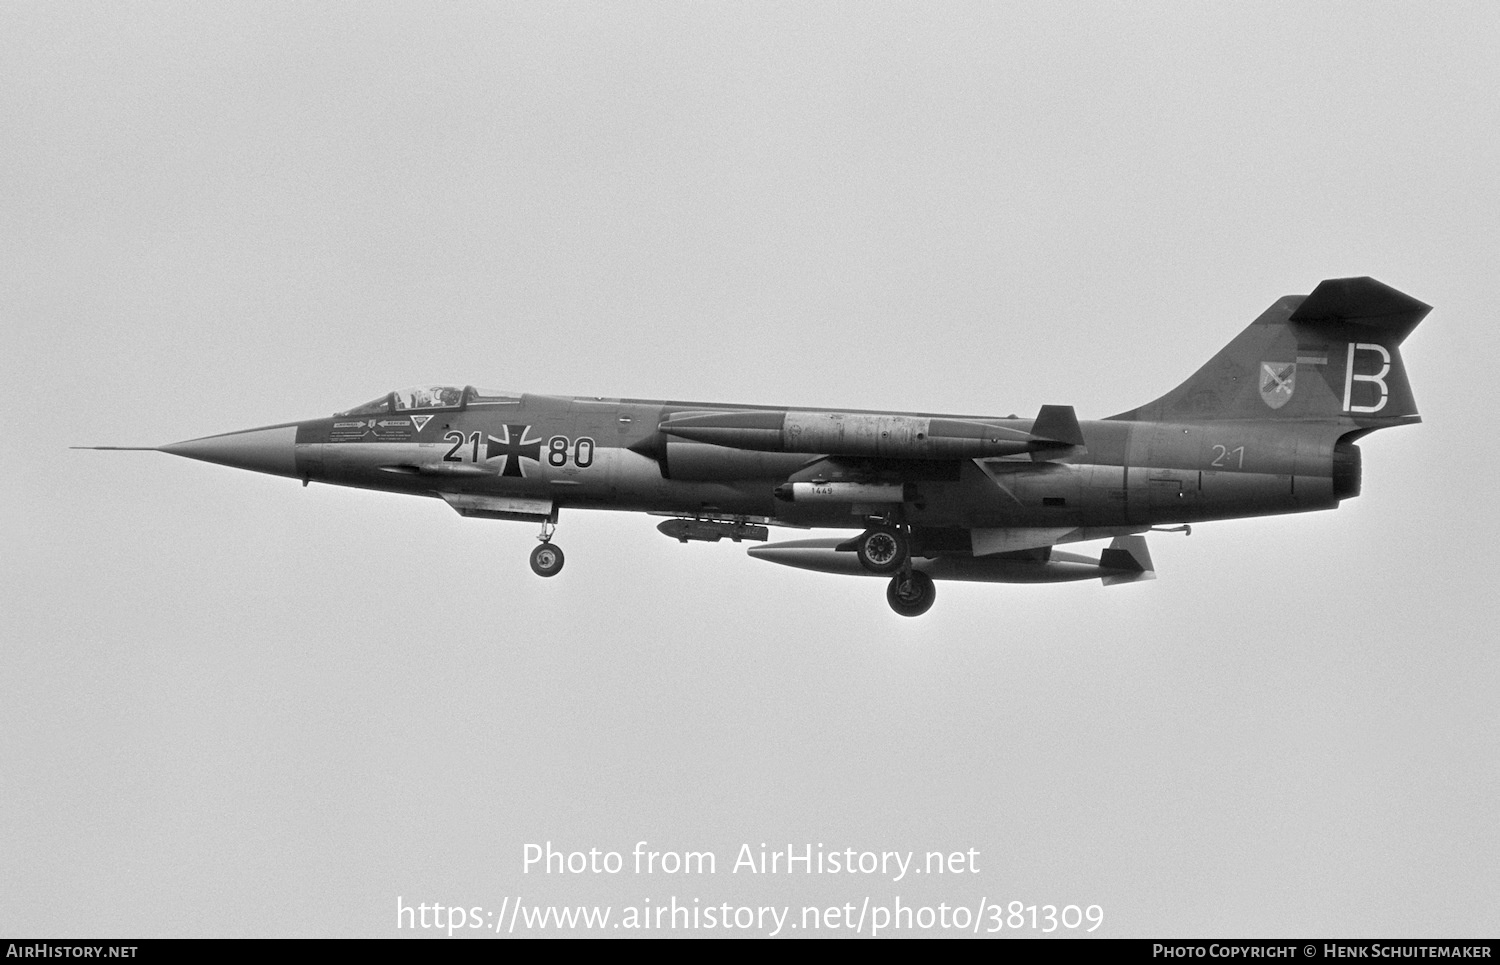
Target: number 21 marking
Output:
{"points": [[457, 438], [1222, 459]]}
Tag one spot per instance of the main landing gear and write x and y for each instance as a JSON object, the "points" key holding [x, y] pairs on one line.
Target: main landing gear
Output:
{"points": [[886, 548], [911, 593], [882, 549], [547, 559]]}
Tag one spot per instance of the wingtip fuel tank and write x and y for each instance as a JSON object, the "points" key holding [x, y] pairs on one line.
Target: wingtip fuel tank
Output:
{"points": [[1125, 561], [876, 435]]}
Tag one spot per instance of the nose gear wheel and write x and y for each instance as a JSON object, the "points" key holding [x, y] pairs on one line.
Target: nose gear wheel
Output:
{"points": [[546, 560]]}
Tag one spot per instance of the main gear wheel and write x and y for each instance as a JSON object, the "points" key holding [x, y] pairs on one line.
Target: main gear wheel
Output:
{"points": [[881, 549], [911, 594]]}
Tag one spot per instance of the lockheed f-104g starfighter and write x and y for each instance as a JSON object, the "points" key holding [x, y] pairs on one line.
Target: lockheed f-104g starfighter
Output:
{"points": [[1267, 426]]}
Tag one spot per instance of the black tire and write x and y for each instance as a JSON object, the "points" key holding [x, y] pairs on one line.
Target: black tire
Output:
{"points": [[911, 596], [547, 559], [881, 550]]}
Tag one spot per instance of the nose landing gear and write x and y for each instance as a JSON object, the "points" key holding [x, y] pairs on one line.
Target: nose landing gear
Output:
{"points": [[547, 559]]}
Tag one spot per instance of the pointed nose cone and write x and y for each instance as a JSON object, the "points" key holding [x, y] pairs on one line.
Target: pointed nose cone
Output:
{"points": [[273, 449]]}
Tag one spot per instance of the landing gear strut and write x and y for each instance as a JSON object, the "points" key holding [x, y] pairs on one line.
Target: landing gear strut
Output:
{"points": [[547, 559], [911, 593]]}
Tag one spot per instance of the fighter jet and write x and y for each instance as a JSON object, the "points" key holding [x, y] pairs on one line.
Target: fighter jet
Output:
{"points": [[1269, 425]]}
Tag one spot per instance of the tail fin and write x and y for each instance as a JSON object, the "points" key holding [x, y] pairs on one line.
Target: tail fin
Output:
{"points": [[1333, 355]]}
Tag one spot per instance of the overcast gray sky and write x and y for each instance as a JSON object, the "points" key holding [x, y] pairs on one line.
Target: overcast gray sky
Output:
{"points": [[233, 706]]}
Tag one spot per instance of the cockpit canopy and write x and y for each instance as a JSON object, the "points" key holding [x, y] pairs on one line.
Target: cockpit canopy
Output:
{"points": [[433, 397]]}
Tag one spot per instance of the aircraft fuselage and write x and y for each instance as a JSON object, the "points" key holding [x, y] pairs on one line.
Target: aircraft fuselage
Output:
{"points": [[542, 451]]}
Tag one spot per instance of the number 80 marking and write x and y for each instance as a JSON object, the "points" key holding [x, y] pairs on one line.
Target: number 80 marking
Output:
{"points": [[583, 451]]}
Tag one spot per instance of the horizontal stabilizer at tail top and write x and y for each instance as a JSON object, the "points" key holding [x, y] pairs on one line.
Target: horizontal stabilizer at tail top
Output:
{"points": [[1129, 560], [1363, 301]]}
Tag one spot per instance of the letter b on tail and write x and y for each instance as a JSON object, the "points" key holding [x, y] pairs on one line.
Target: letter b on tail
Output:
{"points": [[1376, 379]]}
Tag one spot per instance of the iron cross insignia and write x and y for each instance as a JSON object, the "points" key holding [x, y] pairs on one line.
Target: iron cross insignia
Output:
{"points": [[514, 446]]}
